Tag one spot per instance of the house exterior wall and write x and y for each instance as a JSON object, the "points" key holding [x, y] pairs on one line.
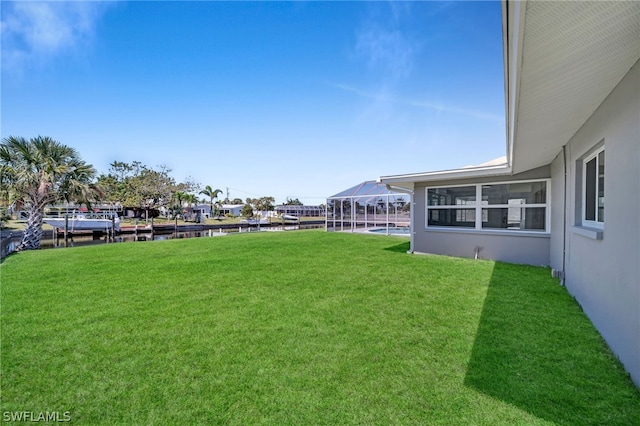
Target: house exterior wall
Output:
{"points": [[507, 246], [604, 274]]}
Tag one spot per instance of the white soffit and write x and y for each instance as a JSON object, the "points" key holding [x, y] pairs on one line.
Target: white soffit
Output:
{"points": [[573, 56]]}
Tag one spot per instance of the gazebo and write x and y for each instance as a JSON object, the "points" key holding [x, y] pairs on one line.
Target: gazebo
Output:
{"points": [[368, 205]]}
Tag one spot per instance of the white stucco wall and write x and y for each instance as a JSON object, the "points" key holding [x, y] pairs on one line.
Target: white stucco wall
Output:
{"points": [[507, 246], [604, 274]]}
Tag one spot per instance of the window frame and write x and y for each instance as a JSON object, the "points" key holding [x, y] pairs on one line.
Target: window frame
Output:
{"points": [[479, 206], [451, 206], [594, 155], [460, 207]]}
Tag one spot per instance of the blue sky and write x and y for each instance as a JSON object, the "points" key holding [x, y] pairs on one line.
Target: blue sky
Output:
{"points": [[298, 100]]}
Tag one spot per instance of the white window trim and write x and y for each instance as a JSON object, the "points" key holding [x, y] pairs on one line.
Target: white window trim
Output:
{"points": [[478, 206], [452, 206], [585, 222]]}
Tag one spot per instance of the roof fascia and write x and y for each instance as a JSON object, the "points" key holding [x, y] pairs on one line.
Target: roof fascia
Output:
{"points": [[466, 173], [513, 17]]}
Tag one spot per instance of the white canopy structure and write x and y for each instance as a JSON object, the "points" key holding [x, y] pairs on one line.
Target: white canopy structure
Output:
{"points": [[368, 205]]}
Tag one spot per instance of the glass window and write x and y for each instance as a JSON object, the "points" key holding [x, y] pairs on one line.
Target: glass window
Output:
{"points": [[515, 193], [507, 206], [593, 209], [523, 218], [601, 187], [452, 217], [590, 190], [458, 196]]}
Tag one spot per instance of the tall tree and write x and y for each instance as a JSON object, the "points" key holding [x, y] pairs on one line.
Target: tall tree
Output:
{"points": [[41, 171], [212, 194], [136, 185], [153, 188], [247, 211], [262, 204], [292, 202]]}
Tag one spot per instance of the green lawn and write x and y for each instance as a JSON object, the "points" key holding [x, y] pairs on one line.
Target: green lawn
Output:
{"points": [[299, 328]]}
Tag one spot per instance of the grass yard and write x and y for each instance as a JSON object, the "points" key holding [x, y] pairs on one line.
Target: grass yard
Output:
{"points": [[299, 328]]}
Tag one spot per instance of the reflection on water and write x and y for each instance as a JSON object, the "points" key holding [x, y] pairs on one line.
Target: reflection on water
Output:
{"points": [[9, 244]]}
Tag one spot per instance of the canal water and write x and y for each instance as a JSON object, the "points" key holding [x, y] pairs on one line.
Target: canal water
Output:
{"points": [[9, 244]]}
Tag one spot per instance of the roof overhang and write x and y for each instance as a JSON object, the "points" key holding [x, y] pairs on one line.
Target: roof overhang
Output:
{"points": [[561, 60], [407, 181]]}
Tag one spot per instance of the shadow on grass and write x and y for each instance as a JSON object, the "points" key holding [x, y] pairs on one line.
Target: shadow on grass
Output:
{"points": [[399, 248], [536, 349]]}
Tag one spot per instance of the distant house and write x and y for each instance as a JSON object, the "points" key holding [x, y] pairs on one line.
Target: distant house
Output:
{"points": [[198, 212], [231, 209], [568, 195], [204, 211], [140, 213]]}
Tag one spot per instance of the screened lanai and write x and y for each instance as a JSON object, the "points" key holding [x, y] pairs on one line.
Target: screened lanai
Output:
{"points": [[368, 205], [301, 211]]}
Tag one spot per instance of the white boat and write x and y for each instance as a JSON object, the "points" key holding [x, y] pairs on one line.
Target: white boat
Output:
{"points": [[290, 217], [262, 221], [83, 223]]}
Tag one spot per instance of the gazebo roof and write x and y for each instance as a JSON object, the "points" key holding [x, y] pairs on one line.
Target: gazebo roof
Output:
{"points": [[364, 189]]}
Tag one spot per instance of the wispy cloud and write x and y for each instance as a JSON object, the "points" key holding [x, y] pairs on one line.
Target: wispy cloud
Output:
{"points": [[34, 32], [384, 96], [383, 44], [387, 40], [388, 51]]}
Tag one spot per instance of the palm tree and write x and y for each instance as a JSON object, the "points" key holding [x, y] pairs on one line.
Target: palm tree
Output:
{"points": [[178, 197], [190, 199], [212, 194], [41, 171]]}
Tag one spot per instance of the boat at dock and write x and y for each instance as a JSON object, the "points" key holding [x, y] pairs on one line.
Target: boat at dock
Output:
{"points": [[261, 221], [83, 223]]}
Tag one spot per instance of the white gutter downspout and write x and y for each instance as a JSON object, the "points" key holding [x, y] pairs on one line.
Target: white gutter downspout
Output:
{"points": [[564, 218]]}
